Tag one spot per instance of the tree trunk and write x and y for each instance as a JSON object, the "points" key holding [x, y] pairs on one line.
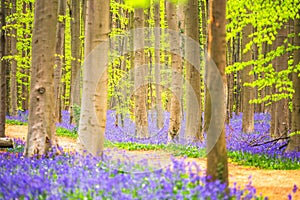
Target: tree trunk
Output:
{"points": [[248, 92], [204, 13], [13, 72], [24, 93], [294, 144], [141, 118], [41, 122], [175, 121], [76, 56], [2, 72], [280, 110], [159, 108], [193, 98], [6, 143], [217, 166], [95, 79], [60, 44]]}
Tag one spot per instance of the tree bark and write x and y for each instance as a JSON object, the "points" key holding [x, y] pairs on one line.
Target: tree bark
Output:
{"points": [[13, 72], [294, 144], [159, 108], [140, 111], [280, 110], [76, 57], [60, 44], [217, 166], [248, 92], [41, 122], [6, 143], [95, 79], [2, 71], [175, 118], [193, 98]]}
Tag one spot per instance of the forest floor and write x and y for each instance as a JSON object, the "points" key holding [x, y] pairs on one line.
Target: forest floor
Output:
{"points": [[276, 184]]}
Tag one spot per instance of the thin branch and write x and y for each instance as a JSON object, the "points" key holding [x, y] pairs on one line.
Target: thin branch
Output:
{"points": [[270, 141]]}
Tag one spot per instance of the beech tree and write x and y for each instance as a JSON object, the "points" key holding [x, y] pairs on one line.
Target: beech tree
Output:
{"points": [[279, 109], [76, 56], [247, 92], [294, 144], [2, 71], [14, 52], [175, 118], [60, 45], [217, 166], [159, 108], [41, 121], [194, 108], [92, 122], [140, 111]]}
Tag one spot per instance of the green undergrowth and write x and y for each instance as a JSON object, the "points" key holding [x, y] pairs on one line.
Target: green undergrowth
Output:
{"points": [[15, 122], [174, 149], [66, 133], [262, 161]]}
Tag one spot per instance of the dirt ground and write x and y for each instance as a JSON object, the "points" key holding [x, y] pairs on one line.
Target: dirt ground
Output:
{"points": [[276, 184]]}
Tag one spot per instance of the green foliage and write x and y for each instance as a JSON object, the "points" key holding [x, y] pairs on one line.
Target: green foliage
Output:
{"points": [[266, 17], [138, 4], [21, 22], [146, 3], [294, 133]]}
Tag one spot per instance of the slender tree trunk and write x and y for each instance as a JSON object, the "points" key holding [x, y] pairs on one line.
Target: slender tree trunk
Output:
{"points": [[230, 103], [24, 94], [217, 166], [175, 121], [2, 72], [60, 44], [13, 72], [204, 13], [248, 92], [41, 122], [141, 118], [76, 56], [294, 144], [159, 108], [7, 51], [194, 107], [280, 110], [95, 79]]}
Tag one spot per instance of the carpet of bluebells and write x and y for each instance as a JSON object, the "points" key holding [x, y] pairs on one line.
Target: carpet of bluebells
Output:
{"points": [[69, 176]]}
